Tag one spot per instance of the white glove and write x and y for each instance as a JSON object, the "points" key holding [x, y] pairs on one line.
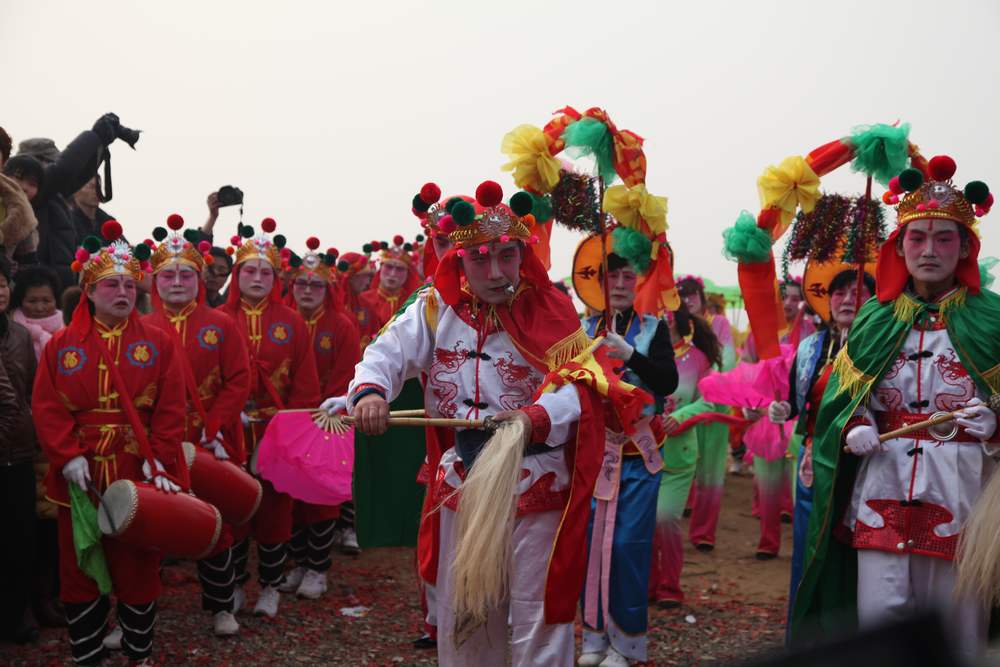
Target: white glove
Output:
{"points": [[863, 440], [245, 418], [161, 482], [618, 348], [77, 471], [215, 446], [978, 420], [779, 412], [334, 405]]}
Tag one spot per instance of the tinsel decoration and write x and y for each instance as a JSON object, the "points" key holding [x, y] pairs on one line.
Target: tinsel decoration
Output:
{"points": [[866, 231], [852, 226], [574, 202]]}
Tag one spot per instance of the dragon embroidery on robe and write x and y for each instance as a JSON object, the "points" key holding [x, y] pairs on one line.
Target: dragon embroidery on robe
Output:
{"points": [[953, 374], [520, 381], [446, 362]]}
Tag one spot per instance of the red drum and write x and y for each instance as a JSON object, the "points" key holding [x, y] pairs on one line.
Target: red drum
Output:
{"points": [[224, 484], [177, 524]]}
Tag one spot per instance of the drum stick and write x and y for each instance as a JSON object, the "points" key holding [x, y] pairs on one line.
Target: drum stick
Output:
{"points": [[394, 413], [100, 500], [918, 426]]}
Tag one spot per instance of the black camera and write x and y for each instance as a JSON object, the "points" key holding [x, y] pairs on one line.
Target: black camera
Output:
{"points": [[127, 134], [230, 196]]}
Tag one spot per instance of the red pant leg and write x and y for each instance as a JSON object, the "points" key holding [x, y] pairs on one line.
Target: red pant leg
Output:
{"points": [[74, 585], [273, 522], [135, 573]]}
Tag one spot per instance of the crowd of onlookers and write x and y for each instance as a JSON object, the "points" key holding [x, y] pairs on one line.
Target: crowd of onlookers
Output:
{"points": [[50, 200]]}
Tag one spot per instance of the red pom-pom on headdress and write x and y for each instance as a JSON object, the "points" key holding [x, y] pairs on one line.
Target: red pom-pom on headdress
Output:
{"points": [[446, 225], [430, 193], [204, 246], [489, 194], [268, 225], [111, 230], [894, 186], [397, 239], [941, 168], [333, 251], [312, 242], [175, 221]]}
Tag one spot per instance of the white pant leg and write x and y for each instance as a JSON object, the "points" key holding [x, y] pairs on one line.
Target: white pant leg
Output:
{"points": [[594, 642], [534, 641], [488, 645], [430, 594], [934, 587], [884, 591]]}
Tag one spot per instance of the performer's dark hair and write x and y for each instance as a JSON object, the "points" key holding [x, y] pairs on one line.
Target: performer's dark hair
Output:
{"points": [[691, 286], [849, 277], [702, 336], [34, 276]]}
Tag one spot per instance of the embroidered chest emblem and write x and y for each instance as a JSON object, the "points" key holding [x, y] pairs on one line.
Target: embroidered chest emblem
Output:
{"points": [[142, 353], [71, 359], [324, 342], [280, 333], [209, 337]]}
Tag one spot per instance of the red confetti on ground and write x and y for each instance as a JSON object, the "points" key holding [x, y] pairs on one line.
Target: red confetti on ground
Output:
{"points": [[737, 603]]}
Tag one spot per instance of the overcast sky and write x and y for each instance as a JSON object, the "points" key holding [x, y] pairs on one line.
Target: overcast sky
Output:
{"points": [[331, 115]]}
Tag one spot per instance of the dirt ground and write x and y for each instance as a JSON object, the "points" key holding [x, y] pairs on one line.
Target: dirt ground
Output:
{"points": [[734, 611]]}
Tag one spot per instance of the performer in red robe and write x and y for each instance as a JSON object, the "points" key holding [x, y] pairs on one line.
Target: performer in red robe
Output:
{"points": [[105, 400], [336, 346], [396, 279], [355, 274], [216, 373], [282, 375]]}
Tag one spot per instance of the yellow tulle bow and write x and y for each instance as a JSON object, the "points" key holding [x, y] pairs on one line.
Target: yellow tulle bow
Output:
{"points": [[633, 206], [534, 167], [789, 186]]}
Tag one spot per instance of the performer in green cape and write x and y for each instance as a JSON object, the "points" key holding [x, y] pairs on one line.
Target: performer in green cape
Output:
{"points": [[887, 515]]}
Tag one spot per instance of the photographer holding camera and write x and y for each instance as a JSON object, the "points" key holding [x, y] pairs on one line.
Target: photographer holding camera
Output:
{"points": [[227, 195], [61, 176]]}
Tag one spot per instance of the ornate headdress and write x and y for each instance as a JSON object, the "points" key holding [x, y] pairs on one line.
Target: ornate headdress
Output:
{"points": [[96, 260], [313, 262], [176, 247], [398, 251], [936, 197], [473, 225], [248, 244], [352, 263], [928, 193]]}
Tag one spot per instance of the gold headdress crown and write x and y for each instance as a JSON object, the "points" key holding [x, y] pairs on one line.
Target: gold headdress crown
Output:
{"points": [[96, 261], [321, 264], [176, 247], [470, 225], [249, 244], [936, 197]]}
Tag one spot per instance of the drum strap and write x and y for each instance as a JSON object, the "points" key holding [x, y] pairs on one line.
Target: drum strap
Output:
{"points": [[125, 397], [189, 382], [269, 386]]}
